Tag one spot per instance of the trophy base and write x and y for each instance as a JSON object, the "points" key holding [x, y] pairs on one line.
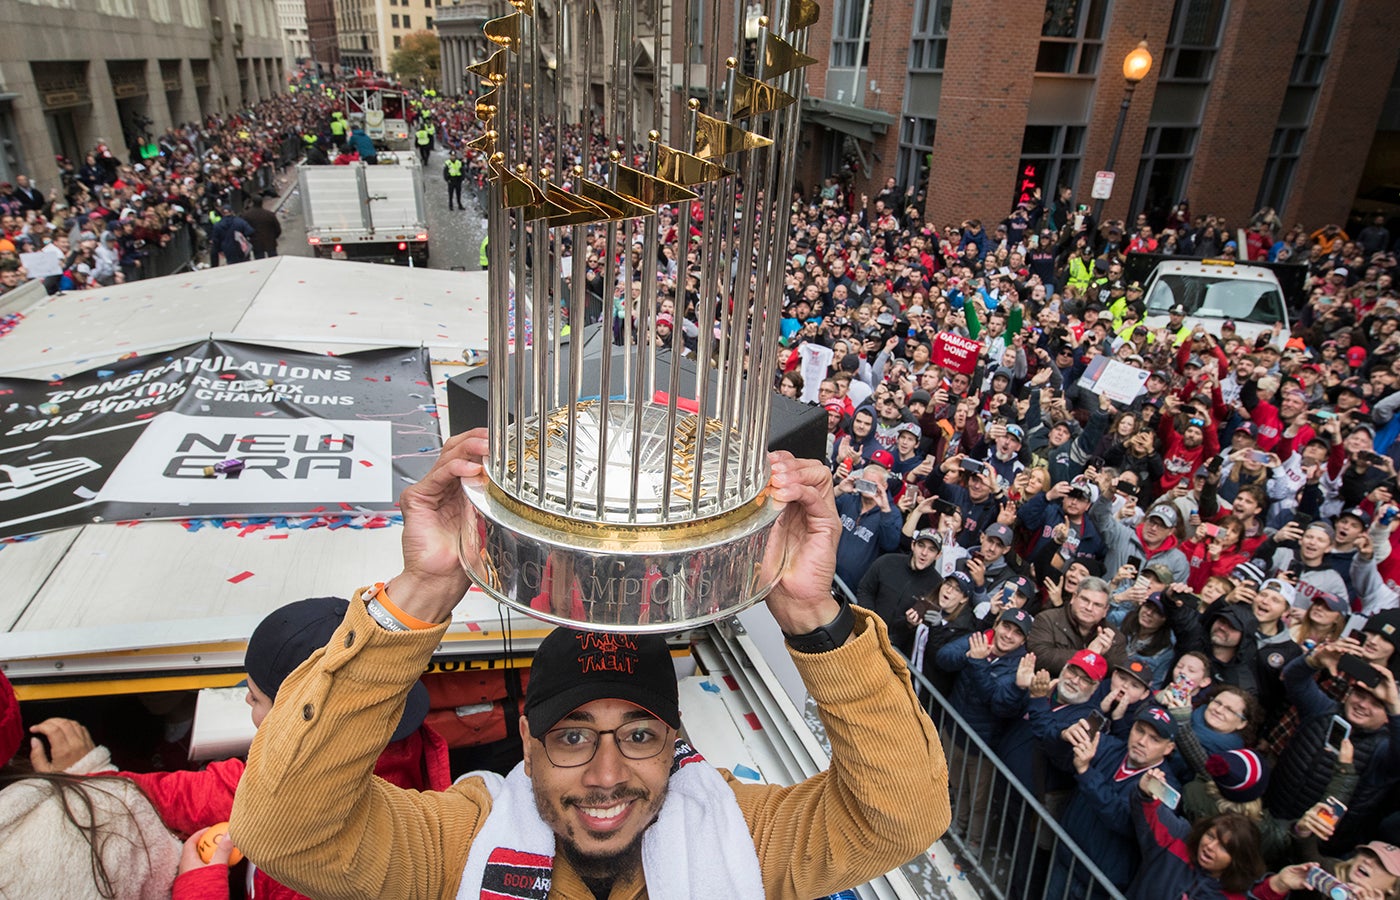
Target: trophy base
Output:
{"points": [[629, 578]]}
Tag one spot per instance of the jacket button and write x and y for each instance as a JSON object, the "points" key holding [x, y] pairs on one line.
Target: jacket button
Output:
{"points": [[307, 712], [349, 639]]}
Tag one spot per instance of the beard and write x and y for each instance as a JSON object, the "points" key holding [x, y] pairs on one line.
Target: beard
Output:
{"points": [[597, 868], [1070, 696]]}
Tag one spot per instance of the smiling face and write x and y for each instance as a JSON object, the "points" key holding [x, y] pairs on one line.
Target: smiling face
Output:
{"points": [[1007, 638], [599, 810], [1227, 712]]}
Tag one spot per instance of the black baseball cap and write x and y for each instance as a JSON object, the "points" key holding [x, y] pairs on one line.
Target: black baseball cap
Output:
{"points": [[572, 668], [288, 637]]}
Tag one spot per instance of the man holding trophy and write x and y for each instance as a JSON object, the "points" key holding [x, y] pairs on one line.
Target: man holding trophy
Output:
{"points": [[584, 816], [622, 494]]}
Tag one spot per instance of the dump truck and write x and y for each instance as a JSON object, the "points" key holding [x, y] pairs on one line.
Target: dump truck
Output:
{"points": [[371, 212]]}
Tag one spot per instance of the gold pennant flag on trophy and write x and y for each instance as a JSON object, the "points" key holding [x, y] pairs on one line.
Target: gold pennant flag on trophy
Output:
{"points": [[504, 31], [686, 168], [485, 142], [486, 105], [650, 190], [519, 192], [780, 57], [754, 98], [495, 64], [716, 137], [802, 13], [618, 206], [525, 6], [572, 209]]}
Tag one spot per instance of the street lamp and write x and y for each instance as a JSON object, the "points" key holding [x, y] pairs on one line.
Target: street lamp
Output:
{"points": [[1136, 65]]}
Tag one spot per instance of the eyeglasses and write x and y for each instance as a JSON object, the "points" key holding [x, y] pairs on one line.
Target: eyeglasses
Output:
{"points": [[1220, 704], [574, 746]]}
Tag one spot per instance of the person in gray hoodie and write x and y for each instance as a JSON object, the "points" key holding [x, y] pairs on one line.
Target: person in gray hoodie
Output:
{"points": [[1155, 540]]}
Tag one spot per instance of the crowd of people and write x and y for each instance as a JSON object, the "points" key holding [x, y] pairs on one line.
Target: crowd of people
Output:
{"points": [[1191, 592], [1173, 618], [108, 217]]}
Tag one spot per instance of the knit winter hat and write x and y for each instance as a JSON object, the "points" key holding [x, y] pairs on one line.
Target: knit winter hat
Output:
{"points": [[1240, 775]]}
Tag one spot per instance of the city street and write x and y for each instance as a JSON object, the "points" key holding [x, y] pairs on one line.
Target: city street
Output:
{"points": [[454, 236]]}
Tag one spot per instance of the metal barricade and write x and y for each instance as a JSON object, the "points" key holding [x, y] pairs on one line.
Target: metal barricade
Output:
{"points": [[1008, 840], [1000, 830], [177, 255]]}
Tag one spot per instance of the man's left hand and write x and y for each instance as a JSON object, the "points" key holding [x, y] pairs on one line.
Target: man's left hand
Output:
{"points": [[809, 530]]}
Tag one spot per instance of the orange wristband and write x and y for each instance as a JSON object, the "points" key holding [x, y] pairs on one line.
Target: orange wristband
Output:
{"points": [[381, 596]]}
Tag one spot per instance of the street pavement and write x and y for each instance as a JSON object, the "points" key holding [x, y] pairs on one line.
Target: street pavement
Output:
{"points": [[454, 237]]}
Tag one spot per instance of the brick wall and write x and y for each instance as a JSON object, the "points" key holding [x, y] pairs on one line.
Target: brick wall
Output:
{"points": [[1128, 22], [1354, 87], [890, 26], [982, 110], [1246, 91]]}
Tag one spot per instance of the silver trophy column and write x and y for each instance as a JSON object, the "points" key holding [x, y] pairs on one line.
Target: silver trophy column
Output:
{"points": [[633, 499]]}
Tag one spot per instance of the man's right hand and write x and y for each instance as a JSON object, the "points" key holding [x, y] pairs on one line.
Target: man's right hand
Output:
{"points": [[433, 580]]}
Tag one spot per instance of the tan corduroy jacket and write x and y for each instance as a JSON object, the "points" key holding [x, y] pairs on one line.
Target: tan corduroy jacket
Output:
{"points": [[309, 811]]}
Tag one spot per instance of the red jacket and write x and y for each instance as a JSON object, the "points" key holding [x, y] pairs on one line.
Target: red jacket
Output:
{"points": [[1179, 461], [189, 801], [1203, 567]]}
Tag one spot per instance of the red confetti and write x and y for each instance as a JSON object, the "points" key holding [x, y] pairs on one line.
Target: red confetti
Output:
{"points": [[346, 506], [473, 626], [228, 376], [276, 537], [146, 415], [753, 721], [730, 683], [240, 577], [367, 464]]}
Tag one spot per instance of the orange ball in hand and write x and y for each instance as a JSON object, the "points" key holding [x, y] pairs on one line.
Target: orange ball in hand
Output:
{"points": [[209, 842]]}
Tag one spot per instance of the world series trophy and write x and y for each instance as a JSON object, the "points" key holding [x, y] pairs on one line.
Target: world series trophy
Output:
{"points": [[626, 491]]}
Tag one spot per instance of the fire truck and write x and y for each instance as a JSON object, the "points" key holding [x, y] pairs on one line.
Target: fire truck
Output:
{"points": [[382, 107]]}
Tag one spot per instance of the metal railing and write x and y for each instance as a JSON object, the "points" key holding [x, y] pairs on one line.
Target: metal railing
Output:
{"points": [[175, 256], [1004, 836], [1001, 831]]}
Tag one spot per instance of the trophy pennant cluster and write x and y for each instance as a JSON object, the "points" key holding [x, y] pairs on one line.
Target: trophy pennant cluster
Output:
{"points": [[635, 193]]}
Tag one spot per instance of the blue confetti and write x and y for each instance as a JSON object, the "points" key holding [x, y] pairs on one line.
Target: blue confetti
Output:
{"points": [[710, 686], [105, 373], [743, 771]]}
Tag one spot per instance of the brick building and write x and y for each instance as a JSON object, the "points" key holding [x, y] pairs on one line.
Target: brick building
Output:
{"points": [[1248, 103]]}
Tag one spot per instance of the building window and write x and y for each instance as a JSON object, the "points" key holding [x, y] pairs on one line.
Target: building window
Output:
{"points": [[1165, 165], [1071, 38], [930, 42], [394, 20], [406, 23], [1194, 40], [1050, 158], [398, 42], [915, 146], [430, 23], [1299, 101], [849, 48]]}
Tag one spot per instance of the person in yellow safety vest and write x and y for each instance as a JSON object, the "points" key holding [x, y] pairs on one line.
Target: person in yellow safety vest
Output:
{"points": [[1177, 326], [485, 256], [425, 143], [1133, 297], [1131, 323], [454, 170], [1081, 269], [338, 128]]}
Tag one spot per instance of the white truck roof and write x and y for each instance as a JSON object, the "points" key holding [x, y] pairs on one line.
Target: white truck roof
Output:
{"points": [[92, 590]]}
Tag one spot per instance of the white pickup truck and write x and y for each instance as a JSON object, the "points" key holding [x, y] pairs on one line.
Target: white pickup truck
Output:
{"points": [[1213, 291], [367, 212]]}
